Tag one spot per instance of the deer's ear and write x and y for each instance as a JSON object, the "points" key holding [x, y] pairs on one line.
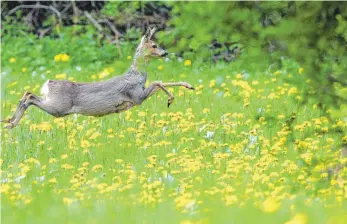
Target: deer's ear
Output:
{"points": [[149, 33], [152, 31]]}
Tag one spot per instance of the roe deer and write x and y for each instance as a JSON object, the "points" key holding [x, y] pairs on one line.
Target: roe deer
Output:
{"points": [[61, 97]]}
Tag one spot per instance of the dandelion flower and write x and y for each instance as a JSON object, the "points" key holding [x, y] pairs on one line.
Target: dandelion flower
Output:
{"points": [[239, 76], [53, 180], [67, 201], [60, 76], [271, 205], [299, 218], [65, 58], [187, 62], [206, 111]]}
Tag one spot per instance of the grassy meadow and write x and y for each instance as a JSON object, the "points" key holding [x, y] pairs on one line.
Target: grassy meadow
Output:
{"points": [[244, 147]]}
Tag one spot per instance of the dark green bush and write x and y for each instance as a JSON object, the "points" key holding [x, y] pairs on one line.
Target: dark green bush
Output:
{"points": [[312, 33]]}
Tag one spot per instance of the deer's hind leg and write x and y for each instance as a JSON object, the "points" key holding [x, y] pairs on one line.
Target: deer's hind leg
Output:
{"points": [[19, 106], [27, 100]]}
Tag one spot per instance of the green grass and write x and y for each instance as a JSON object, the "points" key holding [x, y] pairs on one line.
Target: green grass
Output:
{"points": [[239, 149]]}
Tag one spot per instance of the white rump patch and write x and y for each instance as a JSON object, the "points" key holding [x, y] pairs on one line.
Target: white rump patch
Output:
{"points": [[45, 89]]}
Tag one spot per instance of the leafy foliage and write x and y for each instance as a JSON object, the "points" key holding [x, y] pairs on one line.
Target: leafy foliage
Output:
{"points": [[250, 144], [312, 33]]}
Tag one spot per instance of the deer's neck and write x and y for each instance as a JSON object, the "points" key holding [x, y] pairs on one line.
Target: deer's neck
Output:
{"points": [[140, 62], [140, 66]]}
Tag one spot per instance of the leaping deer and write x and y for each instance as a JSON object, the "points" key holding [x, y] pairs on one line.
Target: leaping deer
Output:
{"points": [[61, 97]]}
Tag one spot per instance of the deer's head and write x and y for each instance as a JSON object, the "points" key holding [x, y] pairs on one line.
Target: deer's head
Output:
{"points": [[148, 48]]}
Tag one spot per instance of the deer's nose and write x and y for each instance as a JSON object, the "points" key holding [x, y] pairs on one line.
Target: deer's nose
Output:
{"points": [[165, 54]]}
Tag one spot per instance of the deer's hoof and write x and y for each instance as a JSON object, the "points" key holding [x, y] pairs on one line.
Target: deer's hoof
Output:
{"points": [[10, 126], [169, 101], [5, 121], [188, 86]]}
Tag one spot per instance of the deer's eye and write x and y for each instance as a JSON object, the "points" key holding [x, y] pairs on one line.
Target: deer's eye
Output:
{"points": [[154, 46]]}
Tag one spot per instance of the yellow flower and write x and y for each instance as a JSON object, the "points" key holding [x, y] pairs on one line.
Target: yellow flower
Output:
{"points": [[324, 175], [142, 114], [254, 83], [12, 60], [62, 57], [344, 139], [119, 161], [53, 180], [205, 110], [292, 90], [280, 116], [187, 62], [57, 57], [160, 67], [67, 166], [60, 76], [183, 75], [301, 70], [271, 205], [97, 167], [212, 83], [85, 144], [65, 57], [67, 201], [324, 129], [129, 57], [95, 135], [24, 69], [239, 76], [13, 84], [187, 222], [52, 160], [299, 218], [5, 188], [44, 126]]}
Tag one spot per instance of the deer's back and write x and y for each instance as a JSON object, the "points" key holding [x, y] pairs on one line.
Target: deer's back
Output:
{"points": [[97, 98]]}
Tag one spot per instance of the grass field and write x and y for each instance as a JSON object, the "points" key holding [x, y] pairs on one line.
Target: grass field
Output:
{"points": [[243, 147]]}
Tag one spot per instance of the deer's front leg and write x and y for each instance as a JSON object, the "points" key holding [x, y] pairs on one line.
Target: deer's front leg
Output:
{"points": [[153, 88], [184, 84]]}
